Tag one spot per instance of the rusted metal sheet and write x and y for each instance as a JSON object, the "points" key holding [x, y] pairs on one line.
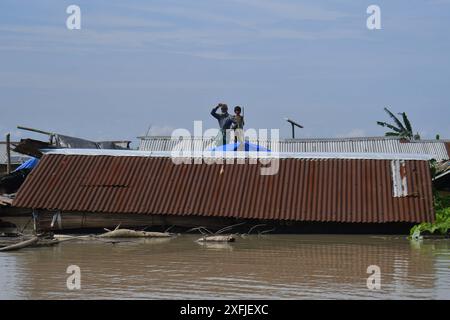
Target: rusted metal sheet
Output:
{"points": [[447, 146], [339, 190]]}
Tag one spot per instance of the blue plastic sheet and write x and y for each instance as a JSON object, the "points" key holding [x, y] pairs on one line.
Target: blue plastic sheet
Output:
{"points": [[235, 147], [29, 164]]}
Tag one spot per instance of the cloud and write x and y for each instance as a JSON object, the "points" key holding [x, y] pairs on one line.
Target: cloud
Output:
{"points": [[278, 33], [195, 29], [119, 22], [61, 81], [189, 12], [293, 10], [225, 55], [207, 43]]}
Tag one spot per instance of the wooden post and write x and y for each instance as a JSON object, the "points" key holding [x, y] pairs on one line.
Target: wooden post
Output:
{"points": [[8, 153]]}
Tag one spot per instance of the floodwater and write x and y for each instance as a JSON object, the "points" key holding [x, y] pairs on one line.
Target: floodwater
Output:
{"points": [[255, 267]]}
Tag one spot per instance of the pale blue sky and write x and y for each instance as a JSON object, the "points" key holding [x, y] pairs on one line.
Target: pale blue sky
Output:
{"points": [[165, 63]]}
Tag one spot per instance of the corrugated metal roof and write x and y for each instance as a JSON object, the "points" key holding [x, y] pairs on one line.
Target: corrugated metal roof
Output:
{"points": [[238, 154], [16, 158], [341, 190], [436, 148]]}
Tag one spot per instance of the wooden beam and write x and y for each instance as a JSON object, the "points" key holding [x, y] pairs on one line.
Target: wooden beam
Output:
{"points": [[8, 153]]}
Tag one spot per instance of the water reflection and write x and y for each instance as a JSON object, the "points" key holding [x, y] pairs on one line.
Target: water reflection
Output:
{"points": [[271, 266]]}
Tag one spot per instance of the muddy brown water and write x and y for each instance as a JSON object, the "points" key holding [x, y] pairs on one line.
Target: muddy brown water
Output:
{"points": [[255, 267]]}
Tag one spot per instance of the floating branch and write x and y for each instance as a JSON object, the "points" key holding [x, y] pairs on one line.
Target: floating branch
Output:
{"points": [[229, 228], [254, 227], [267, 231], [202, 230]]}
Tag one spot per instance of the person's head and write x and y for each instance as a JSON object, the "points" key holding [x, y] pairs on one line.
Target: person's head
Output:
{"points": [[237, 110], [223, 107]]}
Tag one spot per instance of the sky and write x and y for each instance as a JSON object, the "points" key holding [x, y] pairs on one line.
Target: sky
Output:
{"points": [[141, 66]]}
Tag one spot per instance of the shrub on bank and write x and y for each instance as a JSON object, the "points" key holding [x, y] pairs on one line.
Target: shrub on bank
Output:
{"points": [[442, 221]]}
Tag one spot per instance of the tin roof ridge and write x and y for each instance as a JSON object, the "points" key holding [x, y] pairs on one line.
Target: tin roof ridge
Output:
{"points": [[241, 154], [306, 139]]}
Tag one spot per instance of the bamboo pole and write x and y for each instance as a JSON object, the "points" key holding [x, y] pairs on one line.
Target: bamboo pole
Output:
{"points": [[35, 130]]}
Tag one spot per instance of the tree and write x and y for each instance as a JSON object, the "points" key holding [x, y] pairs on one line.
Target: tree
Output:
{"points": [[399, 129]]}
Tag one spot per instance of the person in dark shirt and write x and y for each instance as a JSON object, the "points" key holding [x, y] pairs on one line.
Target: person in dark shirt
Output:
{"points": [[224, 119]]}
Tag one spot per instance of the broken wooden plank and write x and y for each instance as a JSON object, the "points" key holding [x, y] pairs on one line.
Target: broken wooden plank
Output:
{"points": [[32, 147]]}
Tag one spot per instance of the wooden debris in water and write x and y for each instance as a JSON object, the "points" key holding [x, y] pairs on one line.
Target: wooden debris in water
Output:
{"points": [[64, 237], [128, 233], [46, 243], [20, 245], [217, 238], [16, 243], [209, 236]]}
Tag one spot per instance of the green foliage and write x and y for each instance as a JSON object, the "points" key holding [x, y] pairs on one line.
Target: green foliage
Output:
{"points": [[399, 129], [442, 221], [406, 122], [442, 202]]}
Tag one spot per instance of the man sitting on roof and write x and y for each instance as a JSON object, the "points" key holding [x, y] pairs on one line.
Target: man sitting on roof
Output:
{"points": [[224, 120]]}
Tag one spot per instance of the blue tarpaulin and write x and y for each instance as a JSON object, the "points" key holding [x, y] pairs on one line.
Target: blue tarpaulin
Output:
{"points": [[235, 147], [29, 164]]}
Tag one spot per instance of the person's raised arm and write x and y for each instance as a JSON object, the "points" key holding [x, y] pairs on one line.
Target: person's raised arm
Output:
{"points": [[214, 112]]}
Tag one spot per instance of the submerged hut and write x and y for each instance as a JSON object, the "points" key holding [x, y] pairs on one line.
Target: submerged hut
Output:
{"points": [[310, 192]]}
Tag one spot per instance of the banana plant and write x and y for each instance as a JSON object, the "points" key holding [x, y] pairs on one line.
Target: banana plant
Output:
{"points": [[399, 128]]}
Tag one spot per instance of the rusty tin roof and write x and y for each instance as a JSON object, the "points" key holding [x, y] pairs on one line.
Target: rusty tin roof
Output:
{"points": [[339, 190]]}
